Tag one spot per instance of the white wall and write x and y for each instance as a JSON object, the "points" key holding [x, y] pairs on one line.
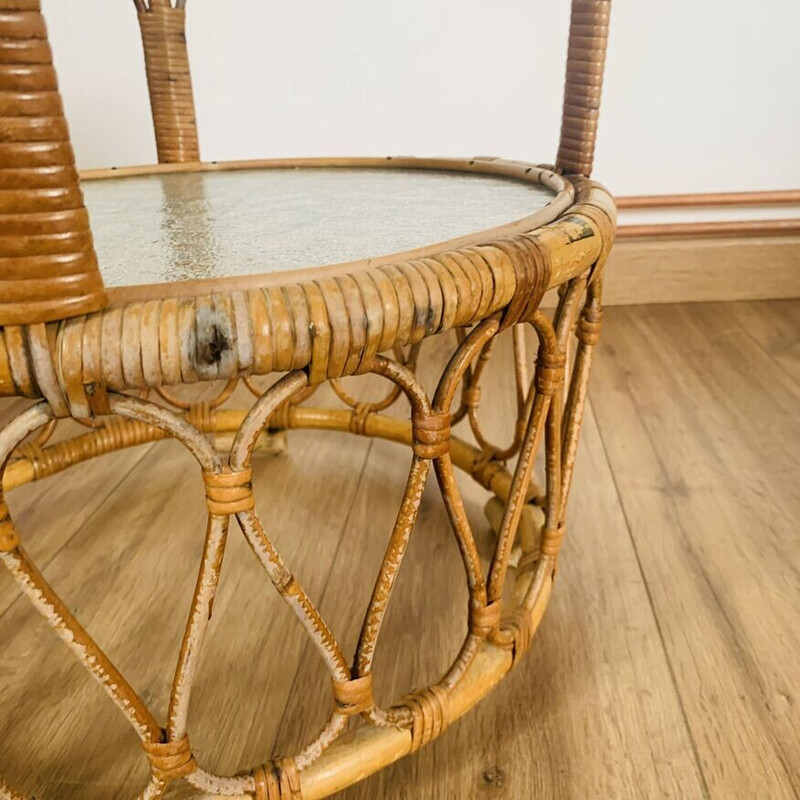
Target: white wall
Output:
{"points": [[701, 95]]}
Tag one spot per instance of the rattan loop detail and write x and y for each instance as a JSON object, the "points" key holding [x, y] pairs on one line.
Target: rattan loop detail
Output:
{"points": [[170, 760], [353, 696], [229, 492]]}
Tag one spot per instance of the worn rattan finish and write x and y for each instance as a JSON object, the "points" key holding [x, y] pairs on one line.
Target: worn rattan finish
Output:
{"points": [[113, 370]]}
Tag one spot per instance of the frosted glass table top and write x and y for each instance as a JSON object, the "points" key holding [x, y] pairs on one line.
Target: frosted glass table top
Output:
{"points": [[182, 226]]}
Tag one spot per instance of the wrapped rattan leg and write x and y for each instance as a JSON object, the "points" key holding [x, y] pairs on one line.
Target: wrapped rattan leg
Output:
{"points": [[169, 80]]}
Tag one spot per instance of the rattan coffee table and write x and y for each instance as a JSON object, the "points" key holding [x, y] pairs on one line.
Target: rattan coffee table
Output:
{"points": [[309, 270]]}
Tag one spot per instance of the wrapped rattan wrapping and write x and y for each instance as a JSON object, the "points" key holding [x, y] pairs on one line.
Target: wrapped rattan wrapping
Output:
{"points": [[48, 267], [585, 62], [169, 81]]}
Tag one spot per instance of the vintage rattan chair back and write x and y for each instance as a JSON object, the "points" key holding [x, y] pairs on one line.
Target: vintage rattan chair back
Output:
{"points": [[49, 267]]}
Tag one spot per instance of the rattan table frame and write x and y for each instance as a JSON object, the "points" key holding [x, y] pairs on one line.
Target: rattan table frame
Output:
{"points": [[109, 359]]}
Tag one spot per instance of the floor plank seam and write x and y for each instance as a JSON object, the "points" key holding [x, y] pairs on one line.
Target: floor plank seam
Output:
{"points": [[770, 356], [656, 620], [44, 563]]}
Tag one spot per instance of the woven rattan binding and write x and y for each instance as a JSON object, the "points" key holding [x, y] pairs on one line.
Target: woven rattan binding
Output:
{"points": [[48, 267]]}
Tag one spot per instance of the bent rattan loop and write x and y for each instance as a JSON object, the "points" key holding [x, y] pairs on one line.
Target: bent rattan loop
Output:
{"points": [[9, 536], [277, 780], [552, 540], [431, 434], [353, 696], [484, 619], [429, 715], [229, 492], [170, 760]]}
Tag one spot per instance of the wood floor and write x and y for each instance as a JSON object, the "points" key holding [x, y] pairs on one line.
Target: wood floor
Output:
{"points": [[668, 664]]}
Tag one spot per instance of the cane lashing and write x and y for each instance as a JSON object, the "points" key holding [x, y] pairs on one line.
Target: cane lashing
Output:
{"points": [[430, 715], [589, 326], [277, 780], [484, 619], [552, 539], [532, 273], [48, 265], [170, 760], [229, 492], [586, 58], [550, 372], [353, 696], [431, 434], [358, 420]]}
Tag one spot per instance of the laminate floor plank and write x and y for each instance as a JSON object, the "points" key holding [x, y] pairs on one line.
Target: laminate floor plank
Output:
{"points": [[775, 326], [701, 429]]}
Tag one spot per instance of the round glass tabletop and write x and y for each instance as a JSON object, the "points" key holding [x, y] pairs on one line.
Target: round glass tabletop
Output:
{"points": [[182, 226]]}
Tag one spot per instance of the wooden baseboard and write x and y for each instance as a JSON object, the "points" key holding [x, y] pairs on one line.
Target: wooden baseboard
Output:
{"points": [[698, 268]]}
